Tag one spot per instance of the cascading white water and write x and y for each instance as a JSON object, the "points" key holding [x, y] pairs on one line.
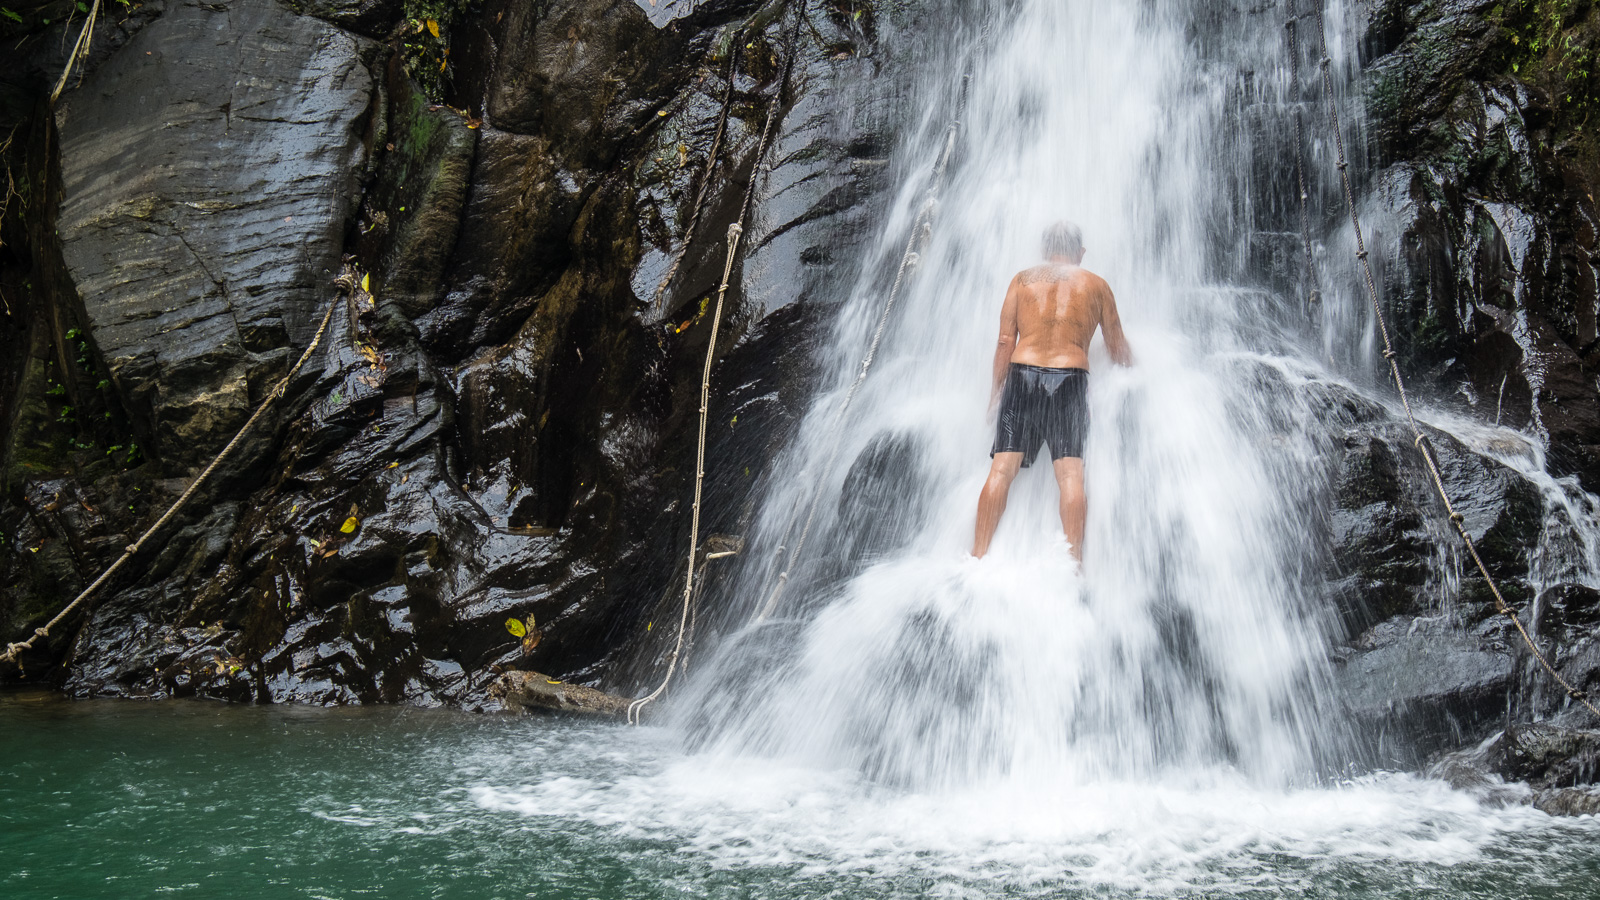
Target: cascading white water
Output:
{"points": [[912, 722], [1187, 642]]}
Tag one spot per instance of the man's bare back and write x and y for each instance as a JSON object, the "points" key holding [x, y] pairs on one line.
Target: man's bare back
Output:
{"points": [[1050, 316], [1057, 310]]}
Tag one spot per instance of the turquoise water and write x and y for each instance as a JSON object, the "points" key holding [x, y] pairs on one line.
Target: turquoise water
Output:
{"points": [[121, 799]]}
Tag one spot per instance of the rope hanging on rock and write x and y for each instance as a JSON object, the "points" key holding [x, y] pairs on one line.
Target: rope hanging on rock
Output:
{"points": [[12, 650], [922, 228], [1420, 439], [735, 233]]}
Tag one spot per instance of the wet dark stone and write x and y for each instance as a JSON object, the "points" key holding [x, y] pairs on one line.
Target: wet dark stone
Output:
{"points": [[1417, 685], [1494, 292], [1390, 538], [1547, 755], [203, 280], [1548, 765], [1569, 604], [1489, 277], [499, 424]]}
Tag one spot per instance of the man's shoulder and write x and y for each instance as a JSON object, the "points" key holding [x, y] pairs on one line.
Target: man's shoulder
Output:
{"points": [[1092, 279]]}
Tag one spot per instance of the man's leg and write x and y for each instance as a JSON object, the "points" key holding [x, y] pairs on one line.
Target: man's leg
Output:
{"points": [[1074, 506], [992, 502]]}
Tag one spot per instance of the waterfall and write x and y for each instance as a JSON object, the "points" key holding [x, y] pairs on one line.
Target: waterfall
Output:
{"points": [[1192, 638], [910, 721]]}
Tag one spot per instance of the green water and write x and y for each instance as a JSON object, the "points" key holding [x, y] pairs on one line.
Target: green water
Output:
{"points": [[115, 799]]}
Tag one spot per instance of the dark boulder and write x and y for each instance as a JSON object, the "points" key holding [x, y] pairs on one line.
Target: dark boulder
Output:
{"points": [[203, 279], [1417, 684]]}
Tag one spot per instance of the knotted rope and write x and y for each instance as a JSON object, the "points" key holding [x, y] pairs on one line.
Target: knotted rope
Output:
{"points": [[735, 233], [14, 649]]}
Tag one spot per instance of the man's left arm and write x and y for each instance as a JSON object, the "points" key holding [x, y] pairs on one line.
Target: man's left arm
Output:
{"points": [[1111, 326], [1006, 345]]}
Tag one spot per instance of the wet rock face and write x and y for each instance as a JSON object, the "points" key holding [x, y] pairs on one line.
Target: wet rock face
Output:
{"points": [[204, 203], [501, 420], [1481, 213], [1493, 182], [1422, 683], [1557, 765]]}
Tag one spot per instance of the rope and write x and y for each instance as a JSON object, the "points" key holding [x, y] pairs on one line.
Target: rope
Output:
{"points": [[705, 180], [80, 49], [919, 231], [735, 232], [12, 650], [1421, 440]]}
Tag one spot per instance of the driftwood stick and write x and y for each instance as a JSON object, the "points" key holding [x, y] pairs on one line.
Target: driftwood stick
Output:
{"points": [[532, 690]]}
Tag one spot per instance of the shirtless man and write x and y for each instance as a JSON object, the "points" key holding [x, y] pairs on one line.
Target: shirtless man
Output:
{"points": [[1042, 365]]}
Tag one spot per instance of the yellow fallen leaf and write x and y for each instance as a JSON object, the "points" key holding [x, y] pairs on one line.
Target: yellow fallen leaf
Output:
{"points": [[433, 27], [551, 681], [350, 525], [393, 465], [516, 627], [366, 282]]}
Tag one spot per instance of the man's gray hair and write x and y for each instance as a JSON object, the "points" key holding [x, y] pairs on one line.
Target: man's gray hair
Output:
{"points": [[1063, 239]]}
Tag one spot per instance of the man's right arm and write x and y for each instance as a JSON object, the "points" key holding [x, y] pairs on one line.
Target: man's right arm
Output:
{"points": [[1111, 325], [1007, 344]]}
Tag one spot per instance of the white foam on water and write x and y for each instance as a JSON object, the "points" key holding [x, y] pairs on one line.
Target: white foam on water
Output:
{"points": [[1210, 828]]}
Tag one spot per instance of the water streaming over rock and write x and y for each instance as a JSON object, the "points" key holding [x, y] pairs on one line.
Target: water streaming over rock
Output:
{"points": [[1199, 634]]}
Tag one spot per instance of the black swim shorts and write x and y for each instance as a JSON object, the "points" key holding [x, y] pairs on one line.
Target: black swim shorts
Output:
{"points": [[1043, 405]]}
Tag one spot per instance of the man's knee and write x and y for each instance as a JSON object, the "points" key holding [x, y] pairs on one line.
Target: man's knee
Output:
{"points": [[1004, 469], [1069, 474]]}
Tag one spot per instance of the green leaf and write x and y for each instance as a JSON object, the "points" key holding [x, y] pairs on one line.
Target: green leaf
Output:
{"points": [[9, 14], [516, 628]]}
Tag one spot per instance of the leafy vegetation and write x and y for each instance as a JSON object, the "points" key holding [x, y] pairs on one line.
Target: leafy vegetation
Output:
{"points": [[425, 42], [1553, 45]]}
